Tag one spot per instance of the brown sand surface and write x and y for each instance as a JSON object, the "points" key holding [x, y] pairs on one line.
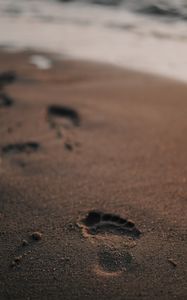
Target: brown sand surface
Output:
{"points": [[79, 138]]}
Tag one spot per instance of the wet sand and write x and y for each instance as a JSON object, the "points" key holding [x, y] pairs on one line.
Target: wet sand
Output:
{"points": [[93, 183]]}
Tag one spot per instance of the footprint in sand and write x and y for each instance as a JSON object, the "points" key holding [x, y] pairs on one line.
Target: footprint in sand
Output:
{"points": [[28, 147], [97, 222], [5, 100], [112, 262], [61, 118], [7, 77], [63, 113]]}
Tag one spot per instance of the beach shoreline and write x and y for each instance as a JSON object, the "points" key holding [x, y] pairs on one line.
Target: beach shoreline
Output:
{"points": [[92, 182], [97, 33]]}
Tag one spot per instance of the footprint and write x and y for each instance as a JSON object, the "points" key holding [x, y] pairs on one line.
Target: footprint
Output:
{"points": [[97, 222], [61, 118], [68, 146], [5, 100], [64, 112], [7, 77], [112, 262], [20, 147]]}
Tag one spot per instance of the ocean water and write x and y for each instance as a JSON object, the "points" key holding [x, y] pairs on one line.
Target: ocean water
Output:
{"points": [[162, 8], [143, 35]]}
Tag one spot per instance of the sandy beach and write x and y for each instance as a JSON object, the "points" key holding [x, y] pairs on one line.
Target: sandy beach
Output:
{"points": [[93, 182]]}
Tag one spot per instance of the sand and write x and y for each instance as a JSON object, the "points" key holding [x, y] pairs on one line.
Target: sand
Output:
{"points": [[93, 183]]}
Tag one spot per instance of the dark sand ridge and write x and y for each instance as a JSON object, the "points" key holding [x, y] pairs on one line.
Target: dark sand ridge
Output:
{"points": [[126, 156]]}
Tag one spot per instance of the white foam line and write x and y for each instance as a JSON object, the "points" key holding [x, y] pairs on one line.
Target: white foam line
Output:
{"points": [[137, 50]]}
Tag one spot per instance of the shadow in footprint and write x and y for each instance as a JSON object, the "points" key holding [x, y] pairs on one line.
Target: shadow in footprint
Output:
{"points": [[55, 111], [5, 100], [7, 77], [97, 222], [28, 147]]}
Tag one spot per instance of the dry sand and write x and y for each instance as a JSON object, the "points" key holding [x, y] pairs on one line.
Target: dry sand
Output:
{"points": [[93, 183]]}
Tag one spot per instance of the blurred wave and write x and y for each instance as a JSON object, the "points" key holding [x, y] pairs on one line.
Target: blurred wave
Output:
{"points": [[139, 34], [175, 9]]}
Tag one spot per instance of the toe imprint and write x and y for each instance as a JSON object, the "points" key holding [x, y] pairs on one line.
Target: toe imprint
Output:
{"points": [[97, 222]]}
